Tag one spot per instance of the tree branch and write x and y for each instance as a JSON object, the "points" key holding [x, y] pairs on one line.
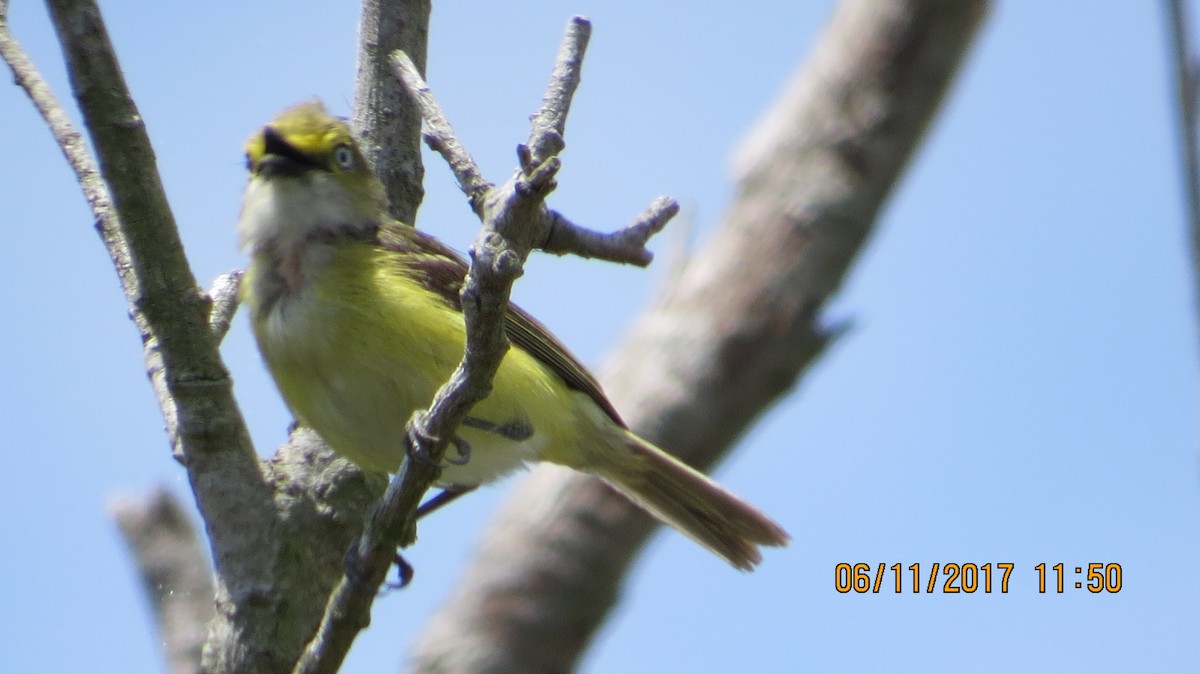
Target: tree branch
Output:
{"points": [[171, 561], [172, 565], [552, 232], [515, 219], [136, 224], [550, 122], [439, 134], [385, 118], [730, 335], [131, 213], [269, 525], [1187, 76], [223, 303], [626, 245]]}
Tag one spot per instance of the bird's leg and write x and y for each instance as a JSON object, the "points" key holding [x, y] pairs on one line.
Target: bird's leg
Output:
{"points": [[416, 451], [464, 451], [443, 497], [517, 431], [404, 574], [404, 570]]}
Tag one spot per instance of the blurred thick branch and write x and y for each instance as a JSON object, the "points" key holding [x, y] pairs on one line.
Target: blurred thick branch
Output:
{"points": [[1187, 90], [173, 567], [733, 331]]}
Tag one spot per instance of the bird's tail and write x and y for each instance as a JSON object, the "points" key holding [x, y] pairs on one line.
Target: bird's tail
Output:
{"points": [[689, 501]]}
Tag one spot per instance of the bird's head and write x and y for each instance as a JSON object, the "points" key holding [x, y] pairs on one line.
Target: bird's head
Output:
{"points": [[308, 179]]}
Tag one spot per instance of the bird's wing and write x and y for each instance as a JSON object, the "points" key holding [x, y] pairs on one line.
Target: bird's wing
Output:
{"points": [[442, 270]]}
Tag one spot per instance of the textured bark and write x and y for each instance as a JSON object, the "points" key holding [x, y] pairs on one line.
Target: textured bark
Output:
{"points": [[730, 334], [384, 116], [318, 505]]}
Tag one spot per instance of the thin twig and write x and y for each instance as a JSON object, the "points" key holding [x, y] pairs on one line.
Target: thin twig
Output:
{"points": [[515, 220], [542, 227], [550, 122], [1186, 74], [439, 135], [567, 237], [73, 147], [223, 297]]}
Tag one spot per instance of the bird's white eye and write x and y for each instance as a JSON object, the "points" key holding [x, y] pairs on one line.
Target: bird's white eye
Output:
{"points": [[344, 157]]}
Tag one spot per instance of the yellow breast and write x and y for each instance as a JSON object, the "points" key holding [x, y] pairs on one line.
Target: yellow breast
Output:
{"points": [[358, 345]]}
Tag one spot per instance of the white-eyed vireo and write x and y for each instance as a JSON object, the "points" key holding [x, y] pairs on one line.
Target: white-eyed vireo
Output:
{"points": [[358, 319]]}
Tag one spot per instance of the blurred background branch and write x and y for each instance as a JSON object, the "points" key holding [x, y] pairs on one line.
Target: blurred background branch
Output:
{"points": [[724, 340], [1187, 79], [172, 564]]}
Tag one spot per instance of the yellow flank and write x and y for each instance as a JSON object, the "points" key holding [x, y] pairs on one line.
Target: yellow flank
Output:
{"points": [[363, 345]]}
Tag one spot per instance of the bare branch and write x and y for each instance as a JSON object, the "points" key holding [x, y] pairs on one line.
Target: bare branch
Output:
{"points": [[624, 245], [139, 230], [731, 334], [548, 229], [440, 135], [69, 140], [550, 123], [515, 220], [277, 530], [172, 565], [172, 315]]}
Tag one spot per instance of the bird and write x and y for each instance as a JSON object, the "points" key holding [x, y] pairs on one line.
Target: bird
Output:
{"points": [[359, 321]]}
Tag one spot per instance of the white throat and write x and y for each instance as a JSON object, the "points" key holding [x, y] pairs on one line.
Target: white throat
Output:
{"points": [[281, 213]]}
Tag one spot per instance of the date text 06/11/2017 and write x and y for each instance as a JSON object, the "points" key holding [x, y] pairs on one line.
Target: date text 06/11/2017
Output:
{"points": [[969, 578]]}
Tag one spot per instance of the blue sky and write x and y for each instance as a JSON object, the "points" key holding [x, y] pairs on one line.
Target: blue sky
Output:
{"points": [[1019, 386]]}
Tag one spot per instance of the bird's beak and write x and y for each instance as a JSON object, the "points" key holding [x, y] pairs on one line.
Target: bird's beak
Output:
{"points": [[280, 158]]}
